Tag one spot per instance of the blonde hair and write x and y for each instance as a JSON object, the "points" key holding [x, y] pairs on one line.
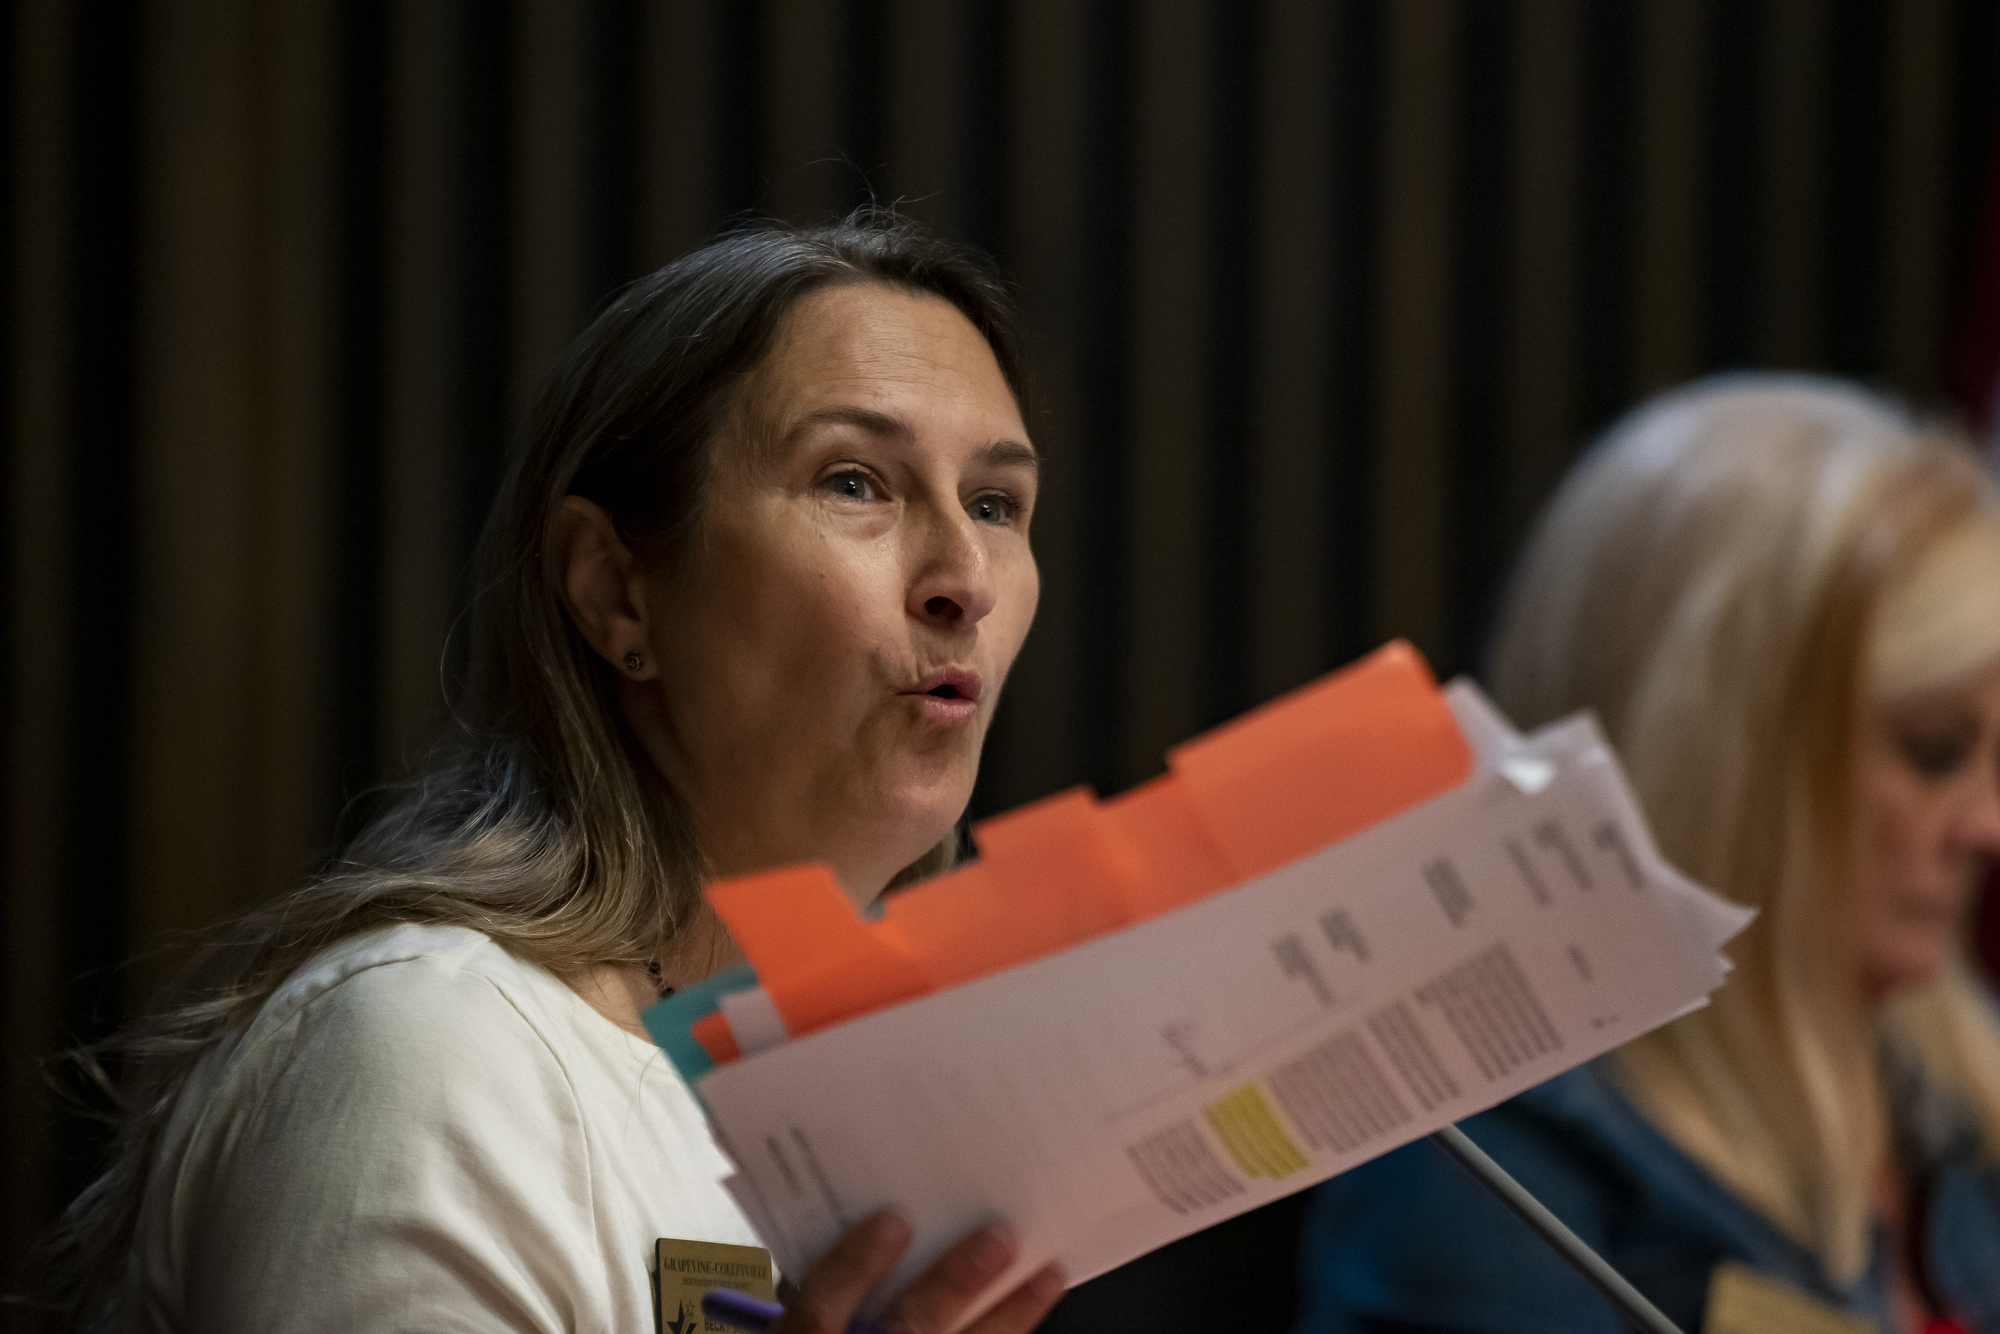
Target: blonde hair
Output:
{"points": [[540, 822], [1728, 579]]}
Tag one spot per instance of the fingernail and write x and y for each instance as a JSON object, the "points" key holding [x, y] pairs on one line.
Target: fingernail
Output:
{"points": [[1048, 1283], [992, 1248], [887, 1228]]}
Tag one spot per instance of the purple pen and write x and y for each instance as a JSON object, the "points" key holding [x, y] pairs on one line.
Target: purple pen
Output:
{"points": [[758, 1317]]}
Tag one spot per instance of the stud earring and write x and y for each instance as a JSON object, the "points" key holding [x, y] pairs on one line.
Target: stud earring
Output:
{"points": [[634, 661]]}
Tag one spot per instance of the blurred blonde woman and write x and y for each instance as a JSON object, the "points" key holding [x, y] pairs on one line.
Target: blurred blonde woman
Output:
{"points": [[1782, 597]]}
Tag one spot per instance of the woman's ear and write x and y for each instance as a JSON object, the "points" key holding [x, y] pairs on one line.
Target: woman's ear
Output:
{"points": [[602, 588]]}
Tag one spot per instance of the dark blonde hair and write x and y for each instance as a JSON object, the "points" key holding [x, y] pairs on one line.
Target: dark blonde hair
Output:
{"points": [[1726, 579], [538, 822]]}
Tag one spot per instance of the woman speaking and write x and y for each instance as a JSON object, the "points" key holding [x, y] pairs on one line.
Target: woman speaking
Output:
{"points": [[747, 597]]}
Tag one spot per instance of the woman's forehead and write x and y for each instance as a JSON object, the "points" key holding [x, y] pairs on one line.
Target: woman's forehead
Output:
{"points": [[841, 335], [872, 353]]}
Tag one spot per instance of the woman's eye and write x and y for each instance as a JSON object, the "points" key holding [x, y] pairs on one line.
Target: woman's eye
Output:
{"points": [[993, 508], [1935, 754], [853, 484]]}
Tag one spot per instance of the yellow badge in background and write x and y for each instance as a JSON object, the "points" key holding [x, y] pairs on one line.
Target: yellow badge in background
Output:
{"points": [[1743, 1301], [687, 1269]]}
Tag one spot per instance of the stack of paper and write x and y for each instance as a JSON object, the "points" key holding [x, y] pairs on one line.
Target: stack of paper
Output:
{"points": [[1340, 922]]}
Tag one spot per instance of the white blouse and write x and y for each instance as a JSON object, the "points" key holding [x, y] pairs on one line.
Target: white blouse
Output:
{"points": [[421, 1132]]}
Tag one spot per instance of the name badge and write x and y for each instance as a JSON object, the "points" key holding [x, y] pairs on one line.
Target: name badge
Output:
{"points": [[687, 1269], [1743, 1301]]}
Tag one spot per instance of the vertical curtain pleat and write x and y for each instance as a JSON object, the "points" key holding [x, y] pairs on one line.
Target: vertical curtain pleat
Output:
{"points": [[1793, 170], [1667, 258], [37, 599], [418, 483], [1480, 214], [1734, 283], [360, 624], [1282, 417], [1540, 410], [1355, 278], [808, 175], [1106, 451], [1853, 136], [919, 146], [1607, 91], [290, 455], [610, 149], [1916, 197], [1231, 159], [1419, 156], [551, 201], [1046, 127], [1167, 514], [681, 112]]}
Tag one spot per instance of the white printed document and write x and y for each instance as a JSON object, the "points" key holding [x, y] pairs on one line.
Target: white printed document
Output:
{"points": [[1115, 1096]]}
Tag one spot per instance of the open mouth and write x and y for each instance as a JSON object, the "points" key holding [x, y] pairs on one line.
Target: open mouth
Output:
{"points": [[949, 695]]}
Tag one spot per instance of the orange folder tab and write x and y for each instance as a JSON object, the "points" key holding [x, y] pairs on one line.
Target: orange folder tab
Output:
{"points": [[1179, 861], [712, 1032], [1061, 864], [813, 954], [953, 928], [1052, 874], [786, 921], [1323, 762]]}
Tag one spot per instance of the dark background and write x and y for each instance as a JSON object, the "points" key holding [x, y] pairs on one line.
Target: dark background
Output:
{"points": [[1325, 296]]}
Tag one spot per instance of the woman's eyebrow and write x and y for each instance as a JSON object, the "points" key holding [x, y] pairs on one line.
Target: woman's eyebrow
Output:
{"points": [[999, 454], [865, 419], [1010, 454]]}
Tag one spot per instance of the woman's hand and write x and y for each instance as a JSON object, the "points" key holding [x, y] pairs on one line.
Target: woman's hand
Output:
{"points": [[831, 1290]]}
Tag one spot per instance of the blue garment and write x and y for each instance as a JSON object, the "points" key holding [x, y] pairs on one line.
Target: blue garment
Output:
{"points": [[1410, 1242]]}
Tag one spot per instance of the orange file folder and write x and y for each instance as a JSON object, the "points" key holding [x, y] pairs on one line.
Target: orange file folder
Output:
{"points": [[1259, 792]]}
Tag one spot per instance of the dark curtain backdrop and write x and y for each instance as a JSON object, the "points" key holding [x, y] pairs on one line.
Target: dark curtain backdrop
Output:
{"points": [[1325, 296]]}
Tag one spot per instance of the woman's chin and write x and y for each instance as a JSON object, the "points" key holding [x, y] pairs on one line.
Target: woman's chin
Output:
{"points": [[1911, 968], [927, 821], [908, 821], [926, 793]]}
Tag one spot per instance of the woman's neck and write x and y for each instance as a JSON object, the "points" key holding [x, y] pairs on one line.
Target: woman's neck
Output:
{"points": [[698, 951], [620, 992]]}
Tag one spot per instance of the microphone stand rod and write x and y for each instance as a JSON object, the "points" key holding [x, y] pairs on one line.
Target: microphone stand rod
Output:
{"points": [[1630, 1302]]}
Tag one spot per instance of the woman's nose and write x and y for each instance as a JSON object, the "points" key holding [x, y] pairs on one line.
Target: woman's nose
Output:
{"points": [[953, 588]]}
